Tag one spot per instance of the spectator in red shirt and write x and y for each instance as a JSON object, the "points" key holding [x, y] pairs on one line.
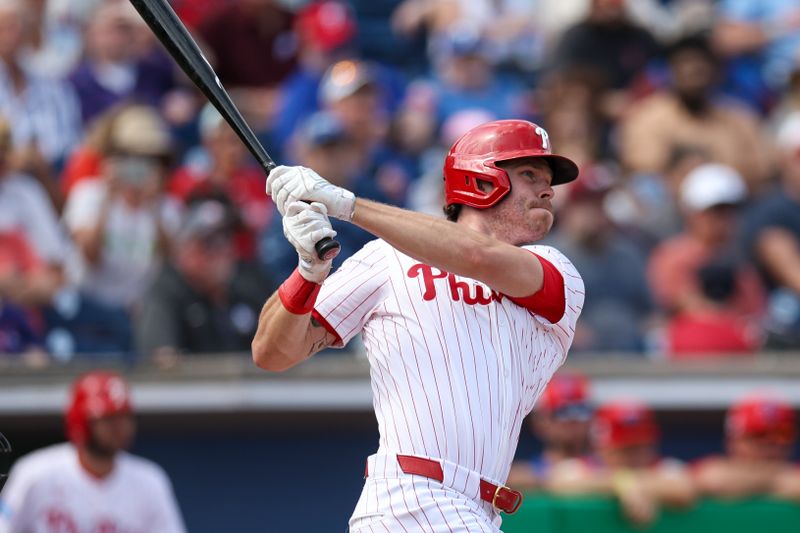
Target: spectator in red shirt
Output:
{"points": [[226, 172], [627, 465], [709, 196], [760, 434]]}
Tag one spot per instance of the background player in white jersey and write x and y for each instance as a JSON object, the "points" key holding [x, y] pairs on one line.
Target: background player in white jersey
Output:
{"points": [[90, 485], [463, 321]]}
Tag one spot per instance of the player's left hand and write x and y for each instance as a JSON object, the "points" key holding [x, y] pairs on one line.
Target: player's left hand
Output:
{"points": [[304, 225], [289, 184]]}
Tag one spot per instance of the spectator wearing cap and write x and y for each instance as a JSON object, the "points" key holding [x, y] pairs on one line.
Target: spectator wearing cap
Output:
{"points": [[325, 31], [701, 272], [322, 143], [133, 129], [627, 465], [253, 48], [203, 300], [760, 433], [350, 91], [122, 221], [617, 315], [114, 69], [561, 421], [772, 240], [687, 114], [224, 170], [44, 112]]}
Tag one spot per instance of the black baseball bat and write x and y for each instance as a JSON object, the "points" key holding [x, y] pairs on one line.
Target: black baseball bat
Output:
{"points": [[169, 29]]}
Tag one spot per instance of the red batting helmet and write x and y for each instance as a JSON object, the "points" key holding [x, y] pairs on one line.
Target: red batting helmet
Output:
{"points": [[94, 395], [475, 156], [624, 423], [763, 417]]}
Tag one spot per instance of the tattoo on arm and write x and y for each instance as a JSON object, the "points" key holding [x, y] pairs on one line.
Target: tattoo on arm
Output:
{"points": [[319, 344]]}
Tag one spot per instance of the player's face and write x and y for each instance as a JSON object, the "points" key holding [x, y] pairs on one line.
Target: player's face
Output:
{"points": [[111, 434], [526, 214]]}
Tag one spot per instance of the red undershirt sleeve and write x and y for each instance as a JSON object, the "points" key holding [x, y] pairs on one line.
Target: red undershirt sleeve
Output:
{"points": [[550, 301]]}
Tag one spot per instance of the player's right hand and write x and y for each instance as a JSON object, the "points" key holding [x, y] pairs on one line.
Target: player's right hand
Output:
{"points": [[304, 225], [288, 184]]}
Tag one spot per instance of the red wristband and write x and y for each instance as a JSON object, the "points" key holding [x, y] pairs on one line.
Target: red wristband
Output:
{"points": [[297, 294]]}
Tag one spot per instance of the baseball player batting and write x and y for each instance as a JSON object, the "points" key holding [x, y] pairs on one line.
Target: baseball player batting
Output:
{"points": [[464, 322], [90, 484]]}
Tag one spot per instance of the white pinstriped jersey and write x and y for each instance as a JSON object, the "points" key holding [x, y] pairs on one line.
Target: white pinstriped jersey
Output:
{"points": [[455, 366]]}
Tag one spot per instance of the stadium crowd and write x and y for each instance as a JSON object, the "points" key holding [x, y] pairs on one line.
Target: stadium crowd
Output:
{"points": [[133, 222], [612, 449]]}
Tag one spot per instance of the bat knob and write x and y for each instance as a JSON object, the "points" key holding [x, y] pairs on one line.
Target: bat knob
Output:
{"points": [[327, 249]]}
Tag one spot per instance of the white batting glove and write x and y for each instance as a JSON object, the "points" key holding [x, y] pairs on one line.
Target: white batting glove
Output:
{"points": [[289, 184], [304, 225]]}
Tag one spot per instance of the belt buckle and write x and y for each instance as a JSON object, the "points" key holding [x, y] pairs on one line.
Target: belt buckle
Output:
{"points": [[517, 502]]}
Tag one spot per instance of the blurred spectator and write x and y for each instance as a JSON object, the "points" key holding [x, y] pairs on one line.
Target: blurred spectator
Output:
{"points": [[225, 170], [513, 32], [122, 224], [350, 92], [648, 205], [627, 465], [710, 196], [713, 330], [53, 42], [772, 238], [760, 433], [44, 112], [34, 247], [116, 68], [561, 421], [253, 49], [686, 114], [614, 318], [762, 39], [463, 78], [91, 483], [325, 32], [610, 46], [322, 143], [130, 128], [203, 300]]}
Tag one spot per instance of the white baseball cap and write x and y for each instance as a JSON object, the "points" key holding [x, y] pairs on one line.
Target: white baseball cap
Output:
{"points": [[712, 184]]}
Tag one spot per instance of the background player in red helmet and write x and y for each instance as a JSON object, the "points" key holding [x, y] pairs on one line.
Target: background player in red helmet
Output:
{"points": [[464, 321], [561, 420], [90, 483], [760, 435], [626, 464]]}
